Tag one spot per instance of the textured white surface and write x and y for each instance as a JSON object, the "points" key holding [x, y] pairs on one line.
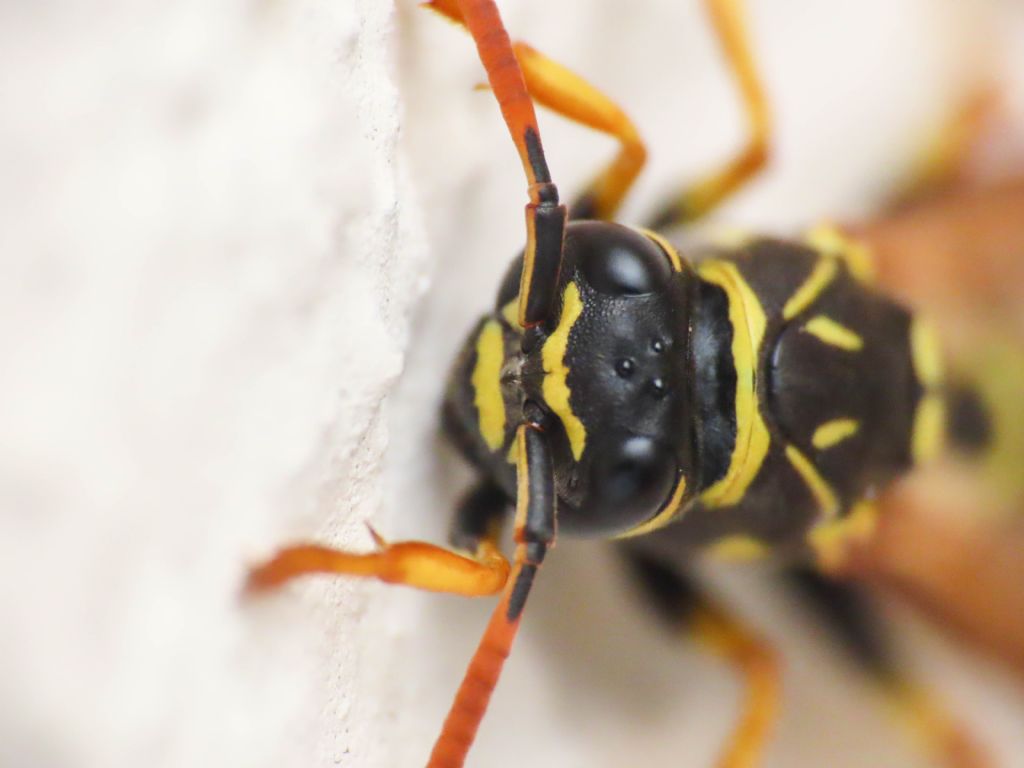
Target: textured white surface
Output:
{"points": [[216, 226]]}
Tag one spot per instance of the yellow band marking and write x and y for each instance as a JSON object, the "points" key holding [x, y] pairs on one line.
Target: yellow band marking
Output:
{"points": [[738, 548], [486, 381], [828, 504], [925, 353], [673, 255], [555, 387], [748, 326], [831, 538], [824, 272], [834, 334], [664, 517], [929, 431], [832, 432], [856, 254]]}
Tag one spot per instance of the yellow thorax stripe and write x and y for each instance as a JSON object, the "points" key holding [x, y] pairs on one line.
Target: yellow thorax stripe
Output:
{"points": [[748, 327], [823, 273], [555, 387], [856, 254], [828, 504]]}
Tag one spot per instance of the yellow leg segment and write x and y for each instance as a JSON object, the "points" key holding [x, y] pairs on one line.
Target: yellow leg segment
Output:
{"points": [[702, 196], [946, 158]]}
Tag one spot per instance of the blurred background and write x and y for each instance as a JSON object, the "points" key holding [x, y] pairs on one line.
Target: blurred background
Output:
{"points": [[241, 243]]}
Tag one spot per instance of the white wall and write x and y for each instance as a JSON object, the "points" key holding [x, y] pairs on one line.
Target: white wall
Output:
{"points": [[218, 226]]}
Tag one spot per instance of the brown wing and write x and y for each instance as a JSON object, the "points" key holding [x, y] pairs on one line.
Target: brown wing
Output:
{"points": [[951, 538]]}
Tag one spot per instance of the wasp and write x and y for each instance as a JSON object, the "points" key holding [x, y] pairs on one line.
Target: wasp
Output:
{"points": [[746, 398]]}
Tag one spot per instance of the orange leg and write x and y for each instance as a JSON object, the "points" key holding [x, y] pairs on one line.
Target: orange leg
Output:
{"points": [[945, 161], [412, 563], [684, 605], [545, 217], [756, 663], [846, 612], [699, 198], [569, 95]]}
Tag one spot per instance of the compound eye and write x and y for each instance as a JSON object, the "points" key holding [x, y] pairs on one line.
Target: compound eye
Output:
{"points": [[619, 261], [630, 481]]}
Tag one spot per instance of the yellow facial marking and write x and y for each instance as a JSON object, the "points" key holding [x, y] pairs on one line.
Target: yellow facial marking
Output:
{"points": [[510, 313], [664, 517], [929, 431], [486, 381], [832, 333], [832, 432], [828, 239], [824, 272], [828, 504], [673, 255], [748, 326], [925, 353], [513, 450], [555, 387], [831, 538], [737, 548]]}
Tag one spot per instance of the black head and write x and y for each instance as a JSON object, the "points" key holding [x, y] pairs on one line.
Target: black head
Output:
{"points": [[615, 376]]}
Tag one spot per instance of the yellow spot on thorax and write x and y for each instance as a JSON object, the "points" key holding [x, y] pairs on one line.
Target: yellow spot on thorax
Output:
{"points": [[555, 387], [833, 432], [737, 548], [486, 381], [748, 323], [834, 334], [929, 430]]}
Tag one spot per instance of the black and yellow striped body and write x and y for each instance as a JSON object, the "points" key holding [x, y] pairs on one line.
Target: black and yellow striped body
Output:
{"points": [[767, 390], [815, 391]]}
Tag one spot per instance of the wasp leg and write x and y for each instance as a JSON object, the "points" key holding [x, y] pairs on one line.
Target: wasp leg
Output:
{"points": [[680, 600], [545, 217], [946, 158], [700, 197], [847, 613], [569, 95], [476, 528], [534, 534]]}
